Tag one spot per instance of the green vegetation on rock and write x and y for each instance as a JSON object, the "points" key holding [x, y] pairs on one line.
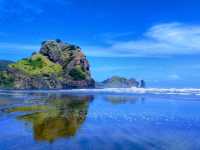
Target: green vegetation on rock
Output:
{"points": [[37, 65], [6, 80], [77, 73]]}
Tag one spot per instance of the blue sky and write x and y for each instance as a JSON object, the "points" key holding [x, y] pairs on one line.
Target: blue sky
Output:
{"points": [[155, 40]]}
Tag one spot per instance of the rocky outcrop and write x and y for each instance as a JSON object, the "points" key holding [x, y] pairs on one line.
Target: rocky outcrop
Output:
{"points": [[142, 84], [117, 82], [57, 65]]}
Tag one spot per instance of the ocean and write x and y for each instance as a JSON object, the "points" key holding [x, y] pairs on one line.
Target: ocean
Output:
{"points": [[100, 119]]}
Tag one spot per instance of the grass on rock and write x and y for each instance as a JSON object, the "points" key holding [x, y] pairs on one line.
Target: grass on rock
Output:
{"points": [[37, 65]]}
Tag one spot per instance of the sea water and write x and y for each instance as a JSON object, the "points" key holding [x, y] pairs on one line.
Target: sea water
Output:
{"points": [[100, 119]]}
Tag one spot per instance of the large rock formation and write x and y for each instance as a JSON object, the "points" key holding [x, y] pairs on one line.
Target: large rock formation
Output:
{"points": [[57, 65]]}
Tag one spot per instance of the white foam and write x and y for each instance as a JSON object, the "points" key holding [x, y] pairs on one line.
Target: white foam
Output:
{"points": [[133, 90]]}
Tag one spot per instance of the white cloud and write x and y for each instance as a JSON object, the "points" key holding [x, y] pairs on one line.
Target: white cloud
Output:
{"points": [[160, 40]]}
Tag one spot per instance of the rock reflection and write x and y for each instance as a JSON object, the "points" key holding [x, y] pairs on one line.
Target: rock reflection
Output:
{"points": [[116, 99], [58, 116]]}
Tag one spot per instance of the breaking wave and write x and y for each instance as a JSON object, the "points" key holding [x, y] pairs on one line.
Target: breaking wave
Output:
{"points": [[133, 90]]}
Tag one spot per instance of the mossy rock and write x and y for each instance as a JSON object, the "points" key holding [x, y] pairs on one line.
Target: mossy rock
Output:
{"points": [[37, 65]]}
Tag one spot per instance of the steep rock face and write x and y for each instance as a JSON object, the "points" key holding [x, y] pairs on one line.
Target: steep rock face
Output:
{"points": [[76, 68], [56, 66], [68, 56], [24, 81]]}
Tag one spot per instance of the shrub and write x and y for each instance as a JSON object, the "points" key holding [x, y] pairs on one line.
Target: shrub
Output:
{"points": [[77, 73], [6, 80]]}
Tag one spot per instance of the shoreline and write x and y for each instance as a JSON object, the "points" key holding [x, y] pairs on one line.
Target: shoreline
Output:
{"points": [[131, 91]]}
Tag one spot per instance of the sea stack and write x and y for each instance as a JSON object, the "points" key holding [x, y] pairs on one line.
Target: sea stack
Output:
{"points": [[57, 65]]}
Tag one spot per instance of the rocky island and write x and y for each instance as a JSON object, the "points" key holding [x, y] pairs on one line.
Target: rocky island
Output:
{"points": [[57, 65], [118, 82]]}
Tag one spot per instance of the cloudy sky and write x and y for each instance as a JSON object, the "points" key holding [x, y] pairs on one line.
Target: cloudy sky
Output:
{"points": [[155, 40]]}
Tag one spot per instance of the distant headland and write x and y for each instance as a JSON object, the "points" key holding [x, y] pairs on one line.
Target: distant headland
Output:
{"points": [[120, 82]]}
